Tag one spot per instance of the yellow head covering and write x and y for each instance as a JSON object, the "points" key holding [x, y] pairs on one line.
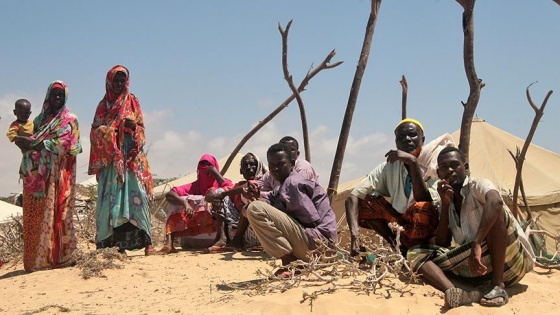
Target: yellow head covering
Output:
{"points": [[411, 120]]}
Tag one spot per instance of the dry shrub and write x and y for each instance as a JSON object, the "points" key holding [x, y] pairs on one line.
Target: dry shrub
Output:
{"points": [[11, 240], [333, 266], [93, 263]]}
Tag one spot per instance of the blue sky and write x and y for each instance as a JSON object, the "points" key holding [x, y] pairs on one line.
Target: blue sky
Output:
{"points": [[207, 71]]}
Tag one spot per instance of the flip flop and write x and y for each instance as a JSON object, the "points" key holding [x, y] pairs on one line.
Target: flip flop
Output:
{"points": [[455, 297], [495, 297]]}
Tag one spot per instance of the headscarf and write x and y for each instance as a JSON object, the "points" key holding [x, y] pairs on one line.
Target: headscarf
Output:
{"points": [[108, 133], [261, 168], [203, 181], [59, 133], [410, 120]]}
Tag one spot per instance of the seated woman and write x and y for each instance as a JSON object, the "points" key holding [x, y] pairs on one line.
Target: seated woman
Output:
{"points": [[189, 215], [252, 169]]}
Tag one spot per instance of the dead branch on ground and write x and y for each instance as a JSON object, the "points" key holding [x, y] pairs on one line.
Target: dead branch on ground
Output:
{"points": [[11, 240], [325, 64], [475, 83], [352, 99], [404, 85], [333, 266], [294, 89], [520, 158]]}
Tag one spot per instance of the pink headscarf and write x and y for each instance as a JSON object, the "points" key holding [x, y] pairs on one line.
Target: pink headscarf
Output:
{"points": [[203, 182]]}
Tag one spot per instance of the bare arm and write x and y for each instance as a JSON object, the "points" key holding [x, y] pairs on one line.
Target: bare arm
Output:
{"points": [[492, 210], [174, 198], [443, 235], [419, 188]]}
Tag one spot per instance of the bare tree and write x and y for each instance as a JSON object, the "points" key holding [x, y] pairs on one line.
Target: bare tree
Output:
{"points": [[325, 64], [404, 86], [295, 91], [475, 83], [352, 99], [520, 156]]}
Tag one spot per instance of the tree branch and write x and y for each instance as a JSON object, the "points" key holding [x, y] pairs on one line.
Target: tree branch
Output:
{"points": [[475, 83], [295, 92], [325, 64], [404, 86], [352, 99]]}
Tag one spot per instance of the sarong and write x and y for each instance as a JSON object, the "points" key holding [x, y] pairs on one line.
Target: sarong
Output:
{"points": [[420, 221], [517, 263]]}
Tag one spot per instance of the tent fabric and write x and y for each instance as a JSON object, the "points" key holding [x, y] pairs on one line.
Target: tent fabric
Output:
{"points": [[233, 173], [489, 158], [7, 210]]}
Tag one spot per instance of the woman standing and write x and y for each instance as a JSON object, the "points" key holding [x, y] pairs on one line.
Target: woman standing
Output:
{"points": [[118, 160], [48, 170]]}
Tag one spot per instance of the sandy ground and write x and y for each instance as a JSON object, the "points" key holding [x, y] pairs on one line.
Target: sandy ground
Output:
{"points": [[193, 283]]}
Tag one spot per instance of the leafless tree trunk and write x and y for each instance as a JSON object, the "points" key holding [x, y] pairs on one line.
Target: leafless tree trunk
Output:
{"points": [[292, 86], [474, 82], [520, 156], [404, 85], [325, 64], [352, 99]]}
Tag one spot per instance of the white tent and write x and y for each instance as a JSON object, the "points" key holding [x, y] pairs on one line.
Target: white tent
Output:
{"points": [[7, 210]]}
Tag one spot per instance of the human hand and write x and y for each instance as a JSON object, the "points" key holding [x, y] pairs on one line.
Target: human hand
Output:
{"points": [[475, 260], [399, 155], [251, 191], [445, 191], [189, 211]]}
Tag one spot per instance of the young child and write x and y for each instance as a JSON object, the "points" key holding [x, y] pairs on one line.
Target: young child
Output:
{"points": [[22, 127]]}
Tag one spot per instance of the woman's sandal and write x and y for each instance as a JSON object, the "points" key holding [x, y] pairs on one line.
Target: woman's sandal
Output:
{"points": [[150, 251], [495, 297]]}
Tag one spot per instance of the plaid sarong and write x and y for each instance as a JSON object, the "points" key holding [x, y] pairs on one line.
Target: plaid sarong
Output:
{"points": [[455, 259], [420, 221]]}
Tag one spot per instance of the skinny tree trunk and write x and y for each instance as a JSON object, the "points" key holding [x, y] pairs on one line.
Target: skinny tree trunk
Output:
{"points": [[521, 156], [352, 99], [475, 83]]}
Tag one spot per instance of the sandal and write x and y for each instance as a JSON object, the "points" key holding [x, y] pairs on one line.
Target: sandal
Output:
{"points": [[495, 297], [455, 297]]}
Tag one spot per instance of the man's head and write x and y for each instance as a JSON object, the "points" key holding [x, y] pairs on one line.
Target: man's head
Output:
{"points": [[292, 143], [249, 166], [280, 161], [409, 136], [22, 110], [452, 166]]}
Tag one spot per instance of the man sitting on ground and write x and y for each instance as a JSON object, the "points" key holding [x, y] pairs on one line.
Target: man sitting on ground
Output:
{"points": [[401, 180], [491, 242], [301, 166], [289, 219]]}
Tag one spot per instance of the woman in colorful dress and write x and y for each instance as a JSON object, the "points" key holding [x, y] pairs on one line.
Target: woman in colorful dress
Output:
{"points": [[48, 170], [253, 170], [189, 214], [117, 158]]}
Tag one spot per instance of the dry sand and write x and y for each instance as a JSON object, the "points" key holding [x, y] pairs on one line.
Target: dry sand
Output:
{"points": [[192, 283]]}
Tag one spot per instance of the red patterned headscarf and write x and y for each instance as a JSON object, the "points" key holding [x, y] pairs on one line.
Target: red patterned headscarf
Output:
{"points": [[108, 133]]}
